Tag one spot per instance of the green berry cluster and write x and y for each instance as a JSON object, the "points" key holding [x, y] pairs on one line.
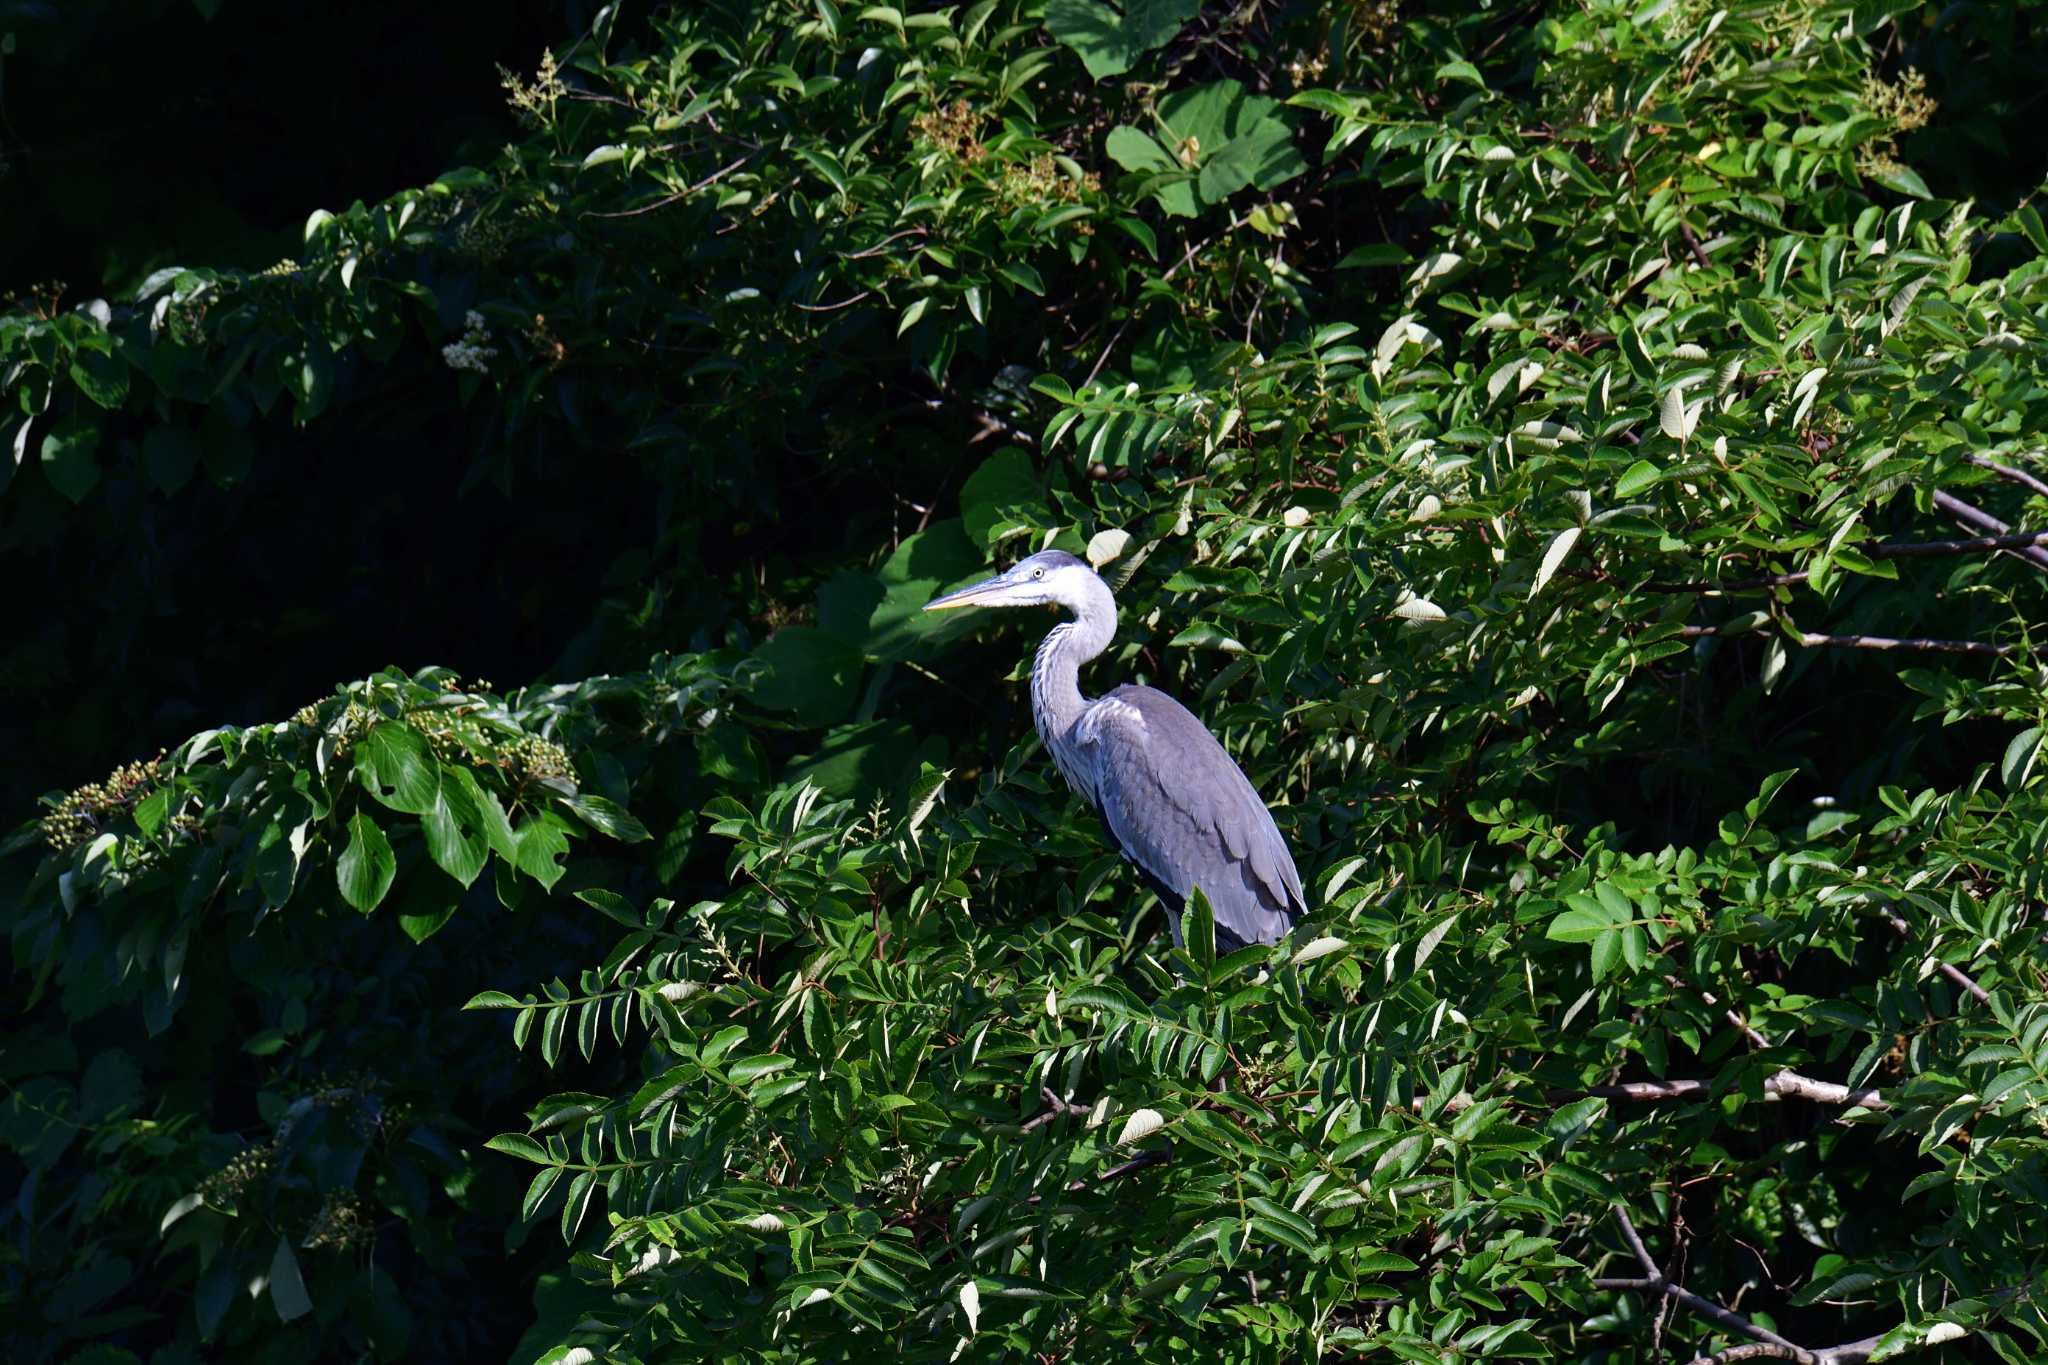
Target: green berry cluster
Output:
{"points": [[342, 1223], [81, 816], [225, 1188]]}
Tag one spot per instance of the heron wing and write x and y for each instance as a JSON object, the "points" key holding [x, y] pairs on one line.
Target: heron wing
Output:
{"points": [[1182, 810]]}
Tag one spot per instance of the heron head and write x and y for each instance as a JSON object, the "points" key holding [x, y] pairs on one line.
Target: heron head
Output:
{"points": [[1048, 578]]}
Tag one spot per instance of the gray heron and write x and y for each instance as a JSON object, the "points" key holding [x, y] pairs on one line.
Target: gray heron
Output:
{"points": [[1175, 804]]}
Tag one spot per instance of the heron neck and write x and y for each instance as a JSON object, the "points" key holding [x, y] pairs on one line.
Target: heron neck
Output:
{"points": [[1056, 700]]}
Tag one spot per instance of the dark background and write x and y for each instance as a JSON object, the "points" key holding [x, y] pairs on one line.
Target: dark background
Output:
{"points": [[144, 134], [141, 133]]}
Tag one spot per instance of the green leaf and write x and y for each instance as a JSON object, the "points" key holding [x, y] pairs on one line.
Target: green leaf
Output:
{"points": [[68, 458], [521, 1146], [2028, 219], [394, 764], [1108, 42], [100, 375], [607, 817], [287, 1287], [1001, 498], [1641, 475], [367, 866], [809, 672], [1905, 180], [1198, 929], [497, 827], [455, 834], [542, 844], [1135, 151], [2020, 753], [612, 906], [940, 556], [1375, 255], [170, 454], [1578, 926]]}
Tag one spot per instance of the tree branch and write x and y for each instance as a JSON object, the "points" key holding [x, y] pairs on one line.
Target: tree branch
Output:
{"points": [[2006, 471], [1954, 974], [1767, 1345], [1910, 549], [1054, 1108], [1817, 640], [1978, 519], [679, 195], [1653, 1279], [1781, 1085], [1692, 244]]}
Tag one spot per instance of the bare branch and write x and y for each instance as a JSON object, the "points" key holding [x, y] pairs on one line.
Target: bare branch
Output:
{"points": [[1755, 1350], [1776, 580], [1653, 1280], [1920, 549], [835, 307], [1816, 640], [1910, 549], [1779, 1086], [1793, 1085], [1977, 519], [1692, 244], [1954, 974], [2006, 471], [1054, 1108], [679, 195], [879, 247]]}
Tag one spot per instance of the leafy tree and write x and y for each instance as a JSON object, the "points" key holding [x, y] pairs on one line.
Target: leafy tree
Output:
{"points": [[1571, 456]]}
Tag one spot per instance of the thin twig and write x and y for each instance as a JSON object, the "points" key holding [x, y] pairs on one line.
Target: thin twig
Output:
{"points": [[681, 194], [1977, 519], [878, 247], [1954, 974], [1915, 549], [1114, 1173], [1766, 1345], [1054, 1108], [1754, 1350], [1848, 1353], [1776, 580], [2006, 471], [835, 307], [1815, 640], [1781, 1085], [1653, 1279], [1911, 549], [1172, 270], [1692, 244]]}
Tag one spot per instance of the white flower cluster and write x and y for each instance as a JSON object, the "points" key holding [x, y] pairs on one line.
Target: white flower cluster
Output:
{"points": [[473, 352]]}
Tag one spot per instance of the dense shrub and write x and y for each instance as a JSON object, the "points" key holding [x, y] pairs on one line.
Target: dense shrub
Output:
{"points": [[1569, 455]]}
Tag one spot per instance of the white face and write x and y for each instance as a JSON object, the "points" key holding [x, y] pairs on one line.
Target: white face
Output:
{"points": [[1032, 583]]}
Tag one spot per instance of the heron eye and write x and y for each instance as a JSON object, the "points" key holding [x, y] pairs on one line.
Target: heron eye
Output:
{"points": [[1038, 573]]}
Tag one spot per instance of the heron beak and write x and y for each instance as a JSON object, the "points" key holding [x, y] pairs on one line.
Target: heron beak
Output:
{"points": [[989, 592]]}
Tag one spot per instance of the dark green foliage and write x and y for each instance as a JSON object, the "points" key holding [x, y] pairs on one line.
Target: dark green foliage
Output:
{"points": [[1563, 454]]}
